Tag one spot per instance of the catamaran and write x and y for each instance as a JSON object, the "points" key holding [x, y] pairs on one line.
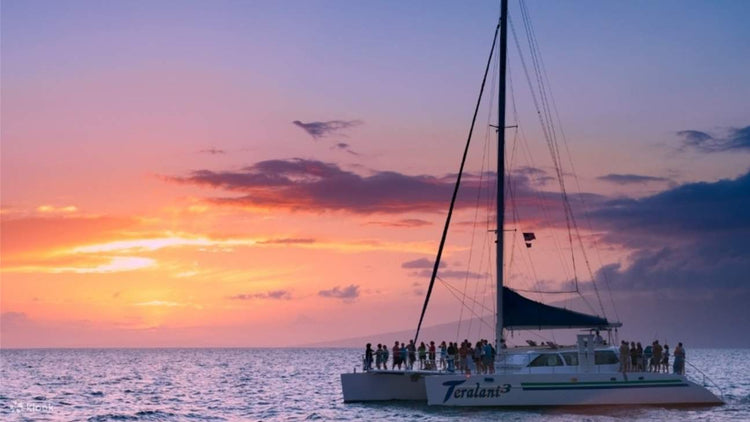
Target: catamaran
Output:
{"points": [[587, 373]]}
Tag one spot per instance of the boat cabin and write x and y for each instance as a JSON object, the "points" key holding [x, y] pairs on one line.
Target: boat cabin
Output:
{"points": [[586, 357]]}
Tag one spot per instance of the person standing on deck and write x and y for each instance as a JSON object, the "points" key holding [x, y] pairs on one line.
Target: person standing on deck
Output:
{"points": [[443, 355], [412, 353], [404, 356], [657, 355], [385, 356], [396, 356], [679, 360], [451, 351], [633, 357], [422, 354], [368, 357], [431, 355], [624, 358]]}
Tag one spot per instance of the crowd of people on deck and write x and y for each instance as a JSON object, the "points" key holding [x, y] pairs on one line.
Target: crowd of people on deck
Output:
{"points": [[477, 358], [653, 358]]}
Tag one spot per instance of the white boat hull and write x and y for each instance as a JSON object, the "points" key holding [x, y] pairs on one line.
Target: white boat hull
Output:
{"points": [[384, 386], [566, 390], [593, 389]]}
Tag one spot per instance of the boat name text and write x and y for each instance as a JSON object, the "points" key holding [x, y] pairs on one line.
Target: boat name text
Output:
{"points": [[476, 392]]}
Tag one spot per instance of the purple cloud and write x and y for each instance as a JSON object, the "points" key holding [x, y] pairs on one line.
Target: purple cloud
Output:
{"points": [[343, 146], [421, 263], [348, 293], [628, 179], [287, 241], [455, 274], [737, 139], [322, 129], [300, 184], [407, 222]]}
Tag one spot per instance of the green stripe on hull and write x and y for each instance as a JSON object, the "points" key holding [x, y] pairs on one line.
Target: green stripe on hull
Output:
{"points": [[553, 384], [602, 384]]}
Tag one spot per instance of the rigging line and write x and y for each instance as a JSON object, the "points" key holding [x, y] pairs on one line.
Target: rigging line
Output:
{"points": [[543, 112], [455, 189], [456, 293], [547, 92], [482, 175], [552, 143], [584, 207], [541, 200], [554, 148], [515, 214]]}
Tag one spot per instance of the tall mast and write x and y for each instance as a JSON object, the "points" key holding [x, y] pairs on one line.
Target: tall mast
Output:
{"points": [[501, 169]]}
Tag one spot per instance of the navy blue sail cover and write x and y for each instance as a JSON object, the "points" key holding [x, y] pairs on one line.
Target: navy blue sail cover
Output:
{"points": [[522, 313]]}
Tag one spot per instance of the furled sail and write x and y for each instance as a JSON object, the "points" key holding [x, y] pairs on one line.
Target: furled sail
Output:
{"points": [[523, 314]]}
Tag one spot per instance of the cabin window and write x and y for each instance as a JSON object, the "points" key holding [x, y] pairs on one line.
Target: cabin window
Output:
{"points": [[605, 357], [571, 358], [547, 359]]}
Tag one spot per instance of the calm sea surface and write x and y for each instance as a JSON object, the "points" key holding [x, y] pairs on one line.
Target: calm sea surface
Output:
{"points": [[273, 384]]}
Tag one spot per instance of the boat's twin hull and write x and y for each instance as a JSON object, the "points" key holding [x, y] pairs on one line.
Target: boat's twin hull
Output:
{"points": [[383, 386], [566, 390], [527, 389]]}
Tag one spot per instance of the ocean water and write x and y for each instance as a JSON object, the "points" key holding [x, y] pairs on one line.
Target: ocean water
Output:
{"points": [[275, 384]]}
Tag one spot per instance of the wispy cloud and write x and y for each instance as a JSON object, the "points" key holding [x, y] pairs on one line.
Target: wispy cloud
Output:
{"points": [[322, 129], [455, 274], [109, 265], [273, 294], [212, 151], [347, 294], [734, 139], [628, 179], [287, 241], [160, 303], [420, 263], [343, 146], [406, 222], [51, 209]]}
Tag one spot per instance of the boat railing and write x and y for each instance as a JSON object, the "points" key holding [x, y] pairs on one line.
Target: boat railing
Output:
{"points": [[704, 379]]}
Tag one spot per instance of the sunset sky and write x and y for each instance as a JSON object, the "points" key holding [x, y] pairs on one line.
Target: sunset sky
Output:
{"points": [[276, 173]]}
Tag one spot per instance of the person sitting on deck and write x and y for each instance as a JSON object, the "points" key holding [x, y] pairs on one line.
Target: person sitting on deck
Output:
{"points": [[598, 340]]}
